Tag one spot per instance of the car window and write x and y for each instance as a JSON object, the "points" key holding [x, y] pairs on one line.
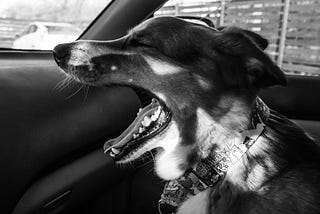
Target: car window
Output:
{"points": [[42, 24], [26, 31], [32, 29], [64, 29], [291, 26]]}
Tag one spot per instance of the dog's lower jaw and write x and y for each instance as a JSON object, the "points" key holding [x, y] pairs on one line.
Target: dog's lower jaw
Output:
{"points": [[172, 165], [198, 204], [169, 160], [167, 166], [169, 157]]}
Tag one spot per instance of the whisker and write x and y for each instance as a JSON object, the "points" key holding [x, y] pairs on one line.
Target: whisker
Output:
{"points": [[151, 170], [62, 84], [67, 83], [82, 85], [152, 155], [86, 92], [58, 85]]}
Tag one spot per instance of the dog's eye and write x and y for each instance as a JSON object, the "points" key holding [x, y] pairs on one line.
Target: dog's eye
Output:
{"points": [[139, 42]]}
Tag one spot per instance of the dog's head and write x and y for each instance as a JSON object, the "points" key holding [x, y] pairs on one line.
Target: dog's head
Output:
{"points": [[203, 82]]}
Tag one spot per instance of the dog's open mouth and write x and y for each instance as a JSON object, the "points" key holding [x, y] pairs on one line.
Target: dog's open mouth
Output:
{"points": [[150, 121]]}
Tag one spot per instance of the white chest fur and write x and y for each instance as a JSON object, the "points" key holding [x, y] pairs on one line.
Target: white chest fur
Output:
{"points": [[198, 204]]}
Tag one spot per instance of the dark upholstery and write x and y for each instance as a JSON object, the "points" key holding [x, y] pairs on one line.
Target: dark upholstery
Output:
{"points": [[43, 126], [299, 101]]}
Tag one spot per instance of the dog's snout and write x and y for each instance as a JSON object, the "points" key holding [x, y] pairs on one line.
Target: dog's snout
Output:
{"points": [[60, 52]]}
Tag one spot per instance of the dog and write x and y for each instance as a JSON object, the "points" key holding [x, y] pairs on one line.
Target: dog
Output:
{"points": [[204, 83]]}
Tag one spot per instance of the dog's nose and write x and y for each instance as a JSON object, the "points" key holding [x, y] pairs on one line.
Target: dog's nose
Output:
{"points": [[60, 52]]}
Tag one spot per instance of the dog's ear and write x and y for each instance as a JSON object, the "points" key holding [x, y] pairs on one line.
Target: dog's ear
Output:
{"points": [[256, 38], [248, 46]]}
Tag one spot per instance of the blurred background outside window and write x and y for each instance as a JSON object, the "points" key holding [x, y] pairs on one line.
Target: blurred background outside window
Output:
{"points": [[292, 27], [42, 24]]}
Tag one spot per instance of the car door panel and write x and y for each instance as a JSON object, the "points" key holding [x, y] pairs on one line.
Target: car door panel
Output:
{"points": [[299, 101], [45, 127], [69, 187]]}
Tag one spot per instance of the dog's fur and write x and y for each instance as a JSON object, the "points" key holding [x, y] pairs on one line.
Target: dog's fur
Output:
{"points": [[209, 79]]}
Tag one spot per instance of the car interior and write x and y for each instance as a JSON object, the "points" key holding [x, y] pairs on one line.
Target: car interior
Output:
{"points": [[51, 150]]}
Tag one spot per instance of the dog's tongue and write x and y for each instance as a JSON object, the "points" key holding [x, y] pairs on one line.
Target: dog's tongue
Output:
{"points": [[127, 135]]}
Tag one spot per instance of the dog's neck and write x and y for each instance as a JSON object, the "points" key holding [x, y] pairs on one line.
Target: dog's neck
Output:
{"points": [[231, 145], [216, 132], [226, 148], [231, 130]]}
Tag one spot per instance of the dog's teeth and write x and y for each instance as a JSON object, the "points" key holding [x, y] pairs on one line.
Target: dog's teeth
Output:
{"points": [[115, 151], [140, 109], [135, 136], [154, 117], [141, 129], [146, 121], [157, 113]]}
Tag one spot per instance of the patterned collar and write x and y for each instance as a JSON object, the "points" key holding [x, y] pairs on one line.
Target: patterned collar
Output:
{"points": [[209, 171]]}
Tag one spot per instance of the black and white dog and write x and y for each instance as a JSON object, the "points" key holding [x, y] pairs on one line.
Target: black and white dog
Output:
{"points": [[205, 84]]}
